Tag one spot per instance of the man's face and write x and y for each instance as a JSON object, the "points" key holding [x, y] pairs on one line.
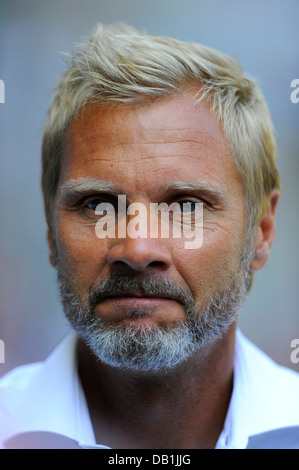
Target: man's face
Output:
{"points": [[143, 286]]}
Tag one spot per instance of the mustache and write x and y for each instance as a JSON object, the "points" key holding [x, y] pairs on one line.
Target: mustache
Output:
{"points": [[118, 284]]}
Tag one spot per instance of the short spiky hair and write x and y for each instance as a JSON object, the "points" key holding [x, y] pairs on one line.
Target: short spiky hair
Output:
{"points": [[118, 64]]}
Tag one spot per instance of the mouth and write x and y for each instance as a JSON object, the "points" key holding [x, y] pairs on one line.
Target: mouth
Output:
{"points": [[139, 298], [138, 308]]}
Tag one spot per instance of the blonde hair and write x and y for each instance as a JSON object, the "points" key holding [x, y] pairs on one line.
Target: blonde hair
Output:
{"points": [[118, 64]]}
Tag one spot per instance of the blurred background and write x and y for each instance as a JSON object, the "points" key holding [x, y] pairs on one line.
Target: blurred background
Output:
{"points": [[33, 33]]}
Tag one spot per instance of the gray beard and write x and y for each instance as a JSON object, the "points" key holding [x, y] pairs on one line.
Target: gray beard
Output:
{"points": [[159, 347]]}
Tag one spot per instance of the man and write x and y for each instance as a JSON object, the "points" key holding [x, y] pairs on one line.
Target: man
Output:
{"points": [[156, 360]]}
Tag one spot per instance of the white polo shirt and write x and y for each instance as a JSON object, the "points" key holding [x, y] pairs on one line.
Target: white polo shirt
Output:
{"points": [[47, 397]]}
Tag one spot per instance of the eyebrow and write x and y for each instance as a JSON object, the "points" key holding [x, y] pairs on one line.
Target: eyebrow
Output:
{"points": [[202, 187], [75, 189]]}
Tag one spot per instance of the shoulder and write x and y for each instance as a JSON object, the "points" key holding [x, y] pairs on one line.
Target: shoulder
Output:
{"points": [[12, 388], [42, 373], [19, 377], [31, 394], [262, 367], [272, 390], [14, 384]]}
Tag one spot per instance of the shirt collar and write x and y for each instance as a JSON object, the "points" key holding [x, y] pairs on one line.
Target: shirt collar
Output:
{"points": [[235, 431]]}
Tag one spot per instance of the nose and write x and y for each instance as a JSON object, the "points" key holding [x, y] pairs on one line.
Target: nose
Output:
{"points": [[139, 254]]}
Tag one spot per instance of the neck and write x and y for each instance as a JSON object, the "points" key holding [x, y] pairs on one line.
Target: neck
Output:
{"points": [[184, 407]]}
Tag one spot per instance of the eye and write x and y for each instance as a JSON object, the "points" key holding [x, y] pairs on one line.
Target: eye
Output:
{"points": [[89, 205], [187, 206], [93, 203]]}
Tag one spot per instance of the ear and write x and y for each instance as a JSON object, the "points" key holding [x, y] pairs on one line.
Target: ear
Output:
{"points": [[265, 234], [52, 249]]}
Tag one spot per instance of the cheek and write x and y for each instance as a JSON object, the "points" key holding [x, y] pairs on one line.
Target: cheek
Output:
{"points": [[210, 267], [80, 253]]}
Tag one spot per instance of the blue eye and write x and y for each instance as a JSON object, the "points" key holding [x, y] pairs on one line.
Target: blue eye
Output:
{"points": [[91, 203], [187, 206]]}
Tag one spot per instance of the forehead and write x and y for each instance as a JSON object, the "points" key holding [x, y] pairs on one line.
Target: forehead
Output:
{"points": [[148, 144]]}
